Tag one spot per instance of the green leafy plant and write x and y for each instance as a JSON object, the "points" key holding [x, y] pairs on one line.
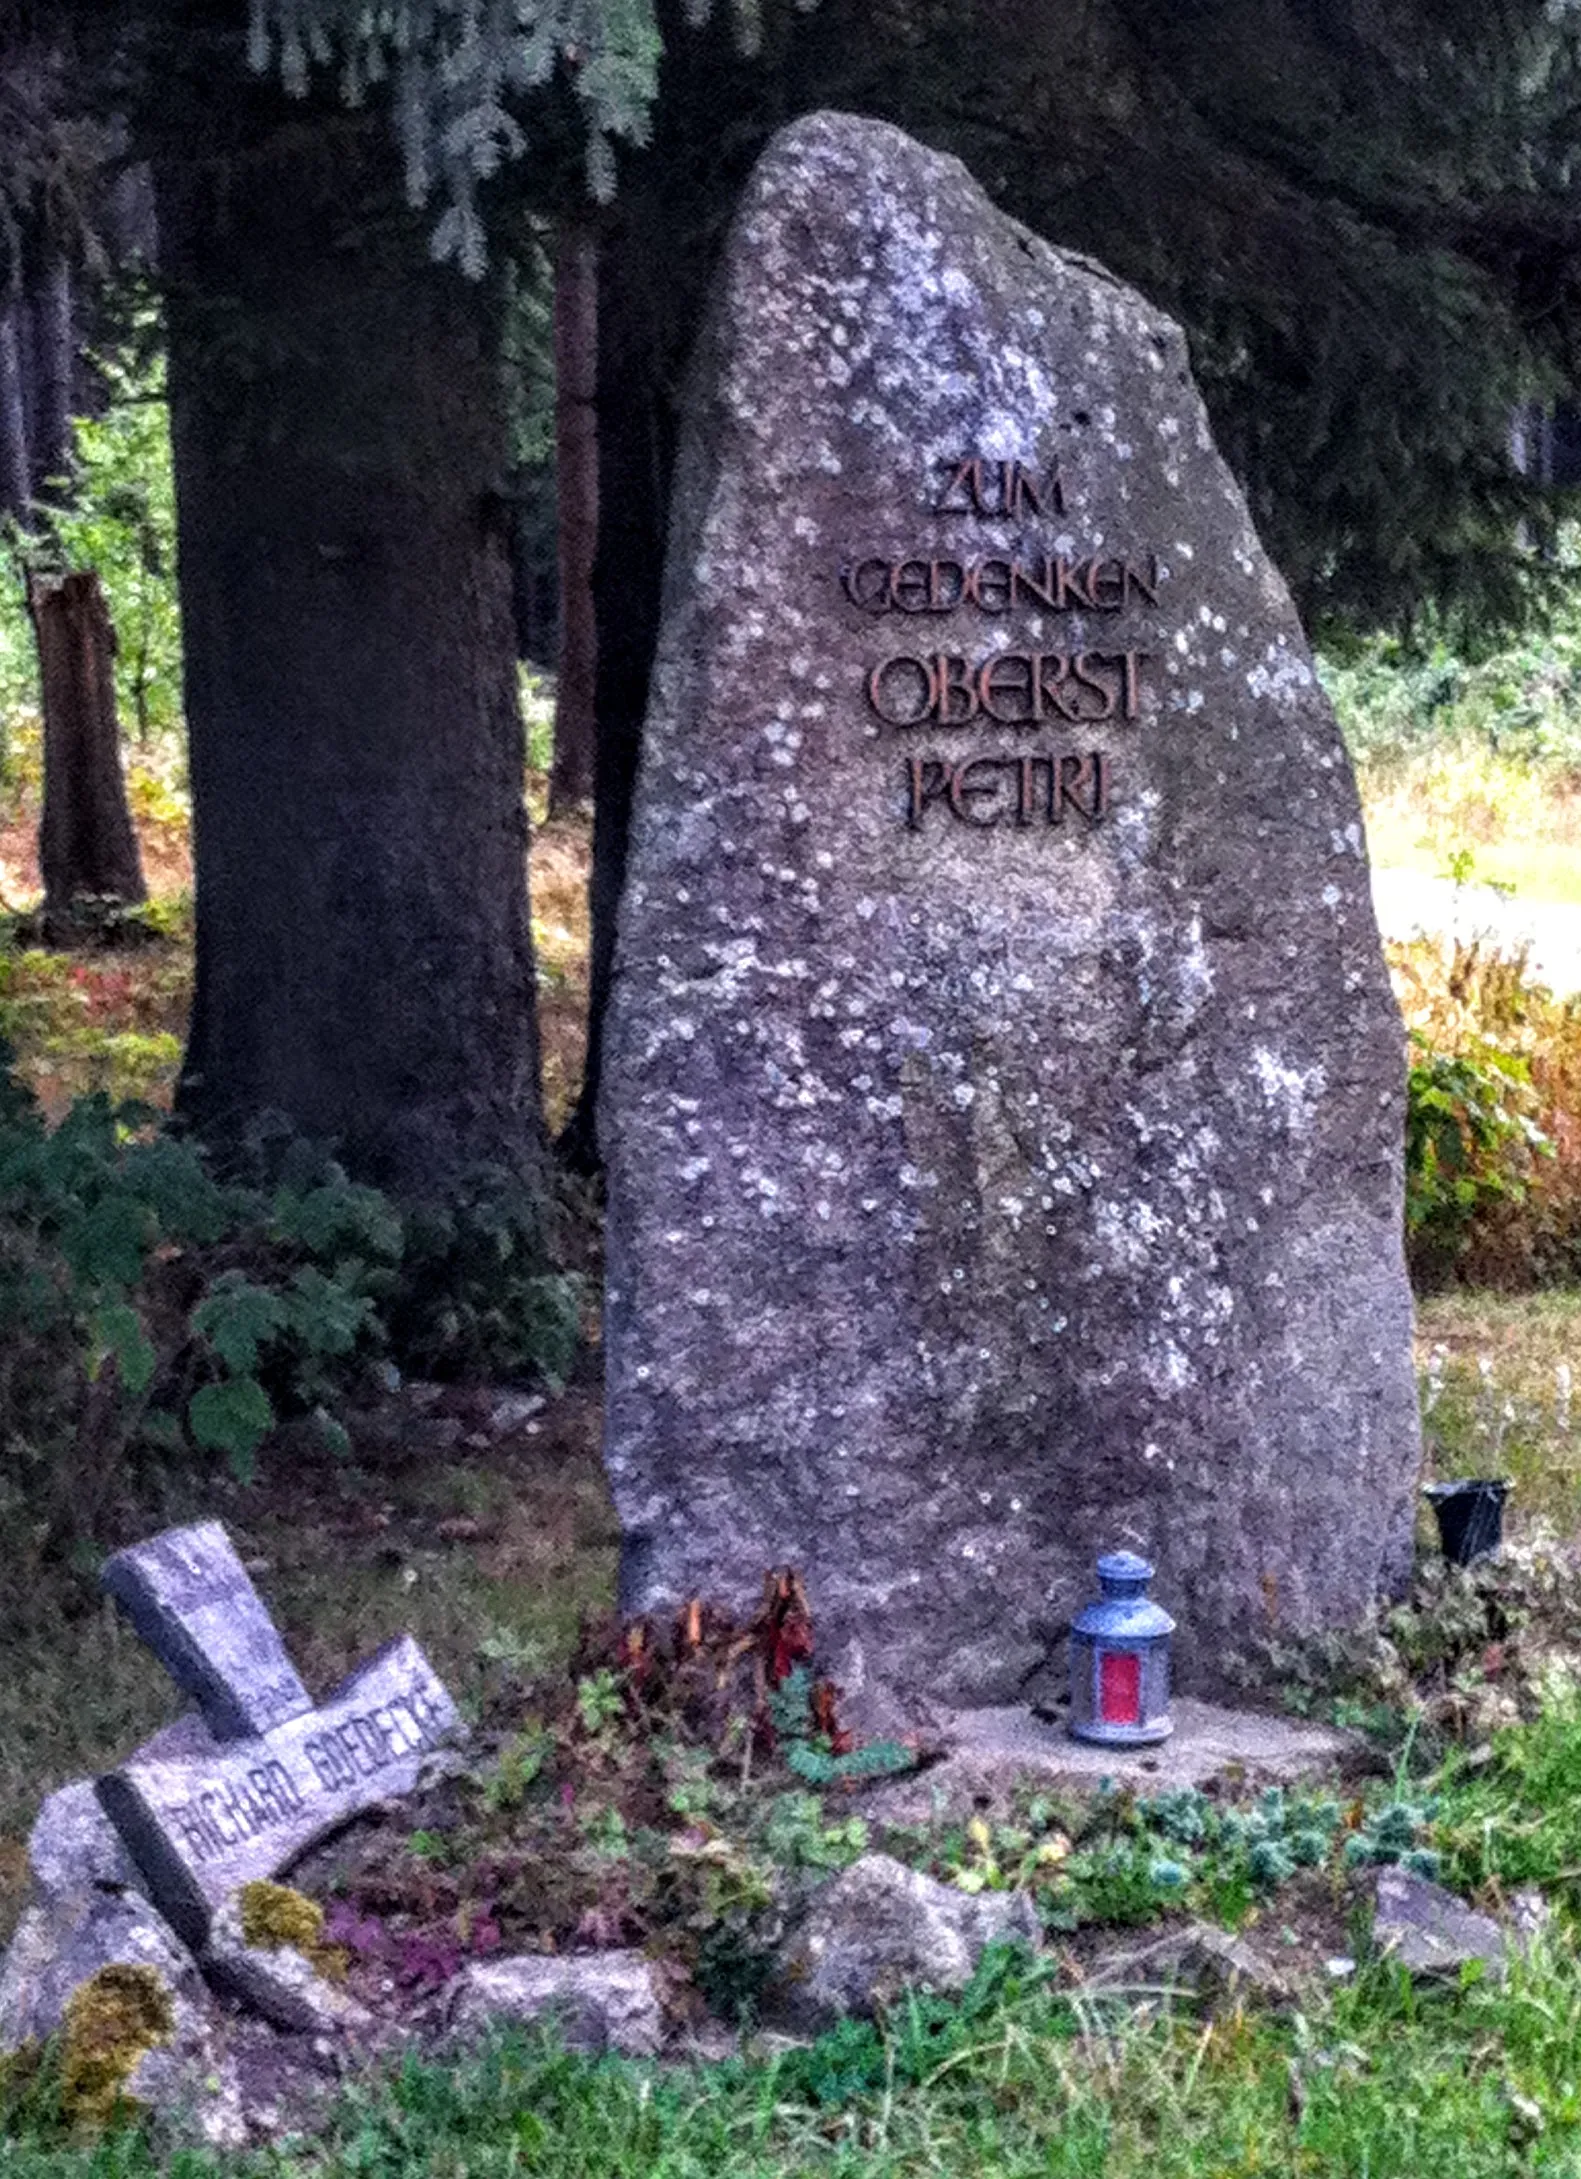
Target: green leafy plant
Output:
{"points": [[809, 1749], [154, 1312], [117, 516], [798, 1835], [1470, 1140]]}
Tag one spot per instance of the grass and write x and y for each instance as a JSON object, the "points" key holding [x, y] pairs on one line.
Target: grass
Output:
{"points": [[1501, 1379], [1518, 819], [1459, 757], [1377, 2078]]}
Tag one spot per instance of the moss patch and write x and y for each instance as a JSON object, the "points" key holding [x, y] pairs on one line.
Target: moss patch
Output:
{"points": [[115, 2018], [274, 1916]]}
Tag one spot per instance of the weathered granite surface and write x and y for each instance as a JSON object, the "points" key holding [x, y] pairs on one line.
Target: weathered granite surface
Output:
{"points": [[73, 1846], [1429, 1930], [602, 2000], [61, 1943], [985, 1190], [193, 1602], [879, 1929], [989, 1754], [200, 1825], [277, 1982]]}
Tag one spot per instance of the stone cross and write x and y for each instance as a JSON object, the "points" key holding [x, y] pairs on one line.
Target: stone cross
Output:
{"points": [[207, 1812], [189, 1597]]}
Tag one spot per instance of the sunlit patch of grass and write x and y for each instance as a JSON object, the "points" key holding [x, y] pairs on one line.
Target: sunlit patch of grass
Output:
{"points": [[1501, 1379], [561, 857], [1519, 821]]}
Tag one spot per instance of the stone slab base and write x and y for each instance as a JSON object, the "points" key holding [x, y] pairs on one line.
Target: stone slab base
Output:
{"points": [[990, 1751]]}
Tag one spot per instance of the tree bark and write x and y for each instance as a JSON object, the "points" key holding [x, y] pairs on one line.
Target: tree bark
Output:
{"points": [[53, 318], [16, 476], [364, 956], [576, 485], [636, 444], [87, 843]]}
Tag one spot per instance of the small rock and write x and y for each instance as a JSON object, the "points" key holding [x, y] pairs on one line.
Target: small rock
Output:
{"points": [[603, 2000], [73, 1845], [1199, 1958], [1428, 1929], [880, 1928], [1530, 1914], [278, 1982], [509, 1410]]}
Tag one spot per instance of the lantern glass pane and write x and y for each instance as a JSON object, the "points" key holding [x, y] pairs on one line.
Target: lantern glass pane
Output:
{"points": [[1120, 1687]]}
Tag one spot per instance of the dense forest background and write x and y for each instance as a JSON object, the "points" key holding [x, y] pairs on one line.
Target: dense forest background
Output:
{"points": [[340, 361]]}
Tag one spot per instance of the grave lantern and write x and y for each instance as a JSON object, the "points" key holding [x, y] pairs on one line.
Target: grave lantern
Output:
{"points": [[1119, 1659]]}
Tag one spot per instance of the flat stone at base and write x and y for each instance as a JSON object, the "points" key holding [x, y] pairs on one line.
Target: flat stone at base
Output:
{"points": [[201, 1826], [988, 1750], [1429, 1930], [602, 2000]]}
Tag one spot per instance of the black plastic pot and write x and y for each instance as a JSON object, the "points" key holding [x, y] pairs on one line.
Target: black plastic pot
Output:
{"points": [[1470, 1517]]}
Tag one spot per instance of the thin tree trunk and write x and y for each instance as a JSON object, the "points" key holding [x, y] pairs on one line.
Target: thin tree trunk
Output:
{"points": [[87, 842], [54, 361], [576, 484], [16, 476], [364, 957], [636, 433]]}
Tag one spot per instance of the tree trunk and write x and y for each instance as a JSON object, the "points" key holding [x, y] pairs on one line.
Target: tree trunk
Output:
{"points": [[635, 442], [364, 956], [54, 363], [576, 482], [16, 477], [87, 844]]}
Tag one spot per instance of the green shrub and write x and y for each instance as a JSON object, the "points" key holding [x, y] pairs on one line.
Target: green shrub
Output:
{"points": [[1493, 1151], [154, 1313], [120, 520], [1470, 1142]]}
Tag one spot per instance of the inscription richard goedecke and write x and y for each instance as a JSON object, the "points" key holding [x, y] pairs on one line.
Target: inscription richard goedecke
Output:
{"points": [[1038, 689], [228, 1809], [200, 1825]]}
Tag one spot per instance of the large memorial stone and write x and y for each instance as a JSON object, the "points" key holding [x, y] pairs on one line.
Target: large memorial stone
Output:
{"points": [[192, 1601], [1003, 1093], [198, 1826]]}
